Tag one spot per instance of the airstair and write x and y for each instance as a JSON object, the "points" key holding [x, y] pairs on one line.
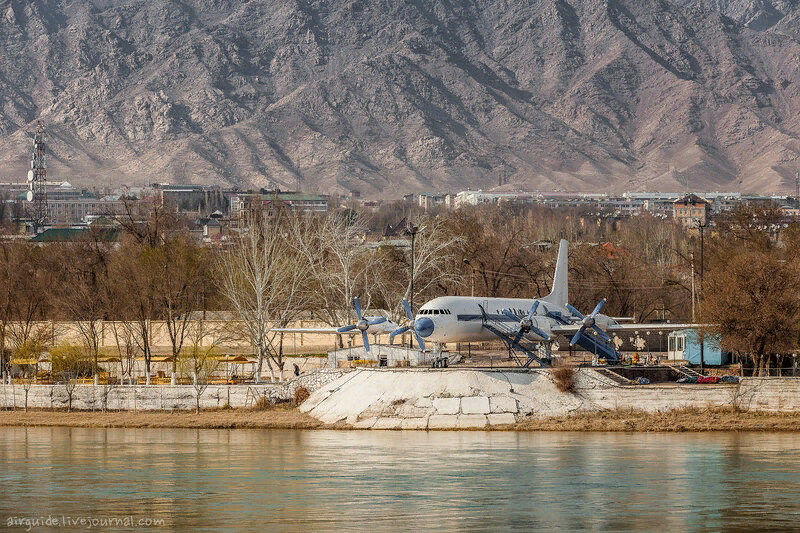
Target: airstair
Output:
{"points": [[613, 376], [599, 347], [525, 352], [686, 371]]}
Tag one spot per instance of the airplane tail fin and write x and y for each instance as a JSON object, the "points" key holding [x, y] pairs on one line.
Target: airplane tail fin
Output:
{"points": [[560, 294]]}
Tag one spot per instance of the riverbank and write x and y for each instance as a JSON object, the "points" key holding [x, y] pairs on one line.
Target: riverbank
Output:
{"points": [[626, 420], [275, 418]]}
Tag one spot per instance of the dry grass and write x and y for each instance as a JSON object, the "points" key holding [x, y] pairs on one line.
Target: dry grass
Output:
{"points": [[301, 394], [262, 404], [565, 378], [273, 418], [676, 420]]}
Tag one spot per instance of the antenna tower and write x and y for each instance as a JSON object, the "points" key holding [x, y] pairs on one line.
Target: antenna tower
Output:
{"points": [[797, 189], [37, 179]]}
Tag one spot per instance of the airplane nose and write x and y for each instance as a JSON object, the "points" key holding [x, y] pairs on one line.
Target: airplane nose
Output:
{"points": [[424, 326]]}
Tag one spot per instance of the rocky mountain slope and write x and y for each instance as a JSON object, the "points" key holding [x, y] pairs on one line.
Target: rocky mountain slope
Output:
{"points": [[387, 96]]}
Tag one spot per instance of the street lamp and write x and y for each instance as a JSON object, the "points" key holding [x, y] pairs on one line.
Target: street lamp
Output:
{"points": [[412, 230], [472, 277]]}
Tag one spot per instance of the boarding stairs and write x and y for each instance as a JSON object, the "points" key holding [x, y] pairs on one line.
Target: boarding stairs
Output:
{"points": [[613, 376], [524, 352], [597, 346], [686, 371]]}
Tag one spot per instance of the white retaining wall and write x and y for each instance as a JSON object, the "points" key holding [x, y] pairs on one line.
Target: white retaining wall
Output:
{"points": [[158, 397], [433, 399]]}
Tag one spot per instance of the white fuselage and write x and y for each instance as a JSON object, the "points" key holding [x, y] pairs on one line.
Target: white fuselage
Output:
{"points": [[459, 318]]}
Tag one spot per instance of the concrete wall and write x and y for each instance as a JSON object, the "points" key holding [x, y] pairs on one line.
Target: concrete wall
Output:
{"points": [[228, 334], [432, 399], [159, 397]]}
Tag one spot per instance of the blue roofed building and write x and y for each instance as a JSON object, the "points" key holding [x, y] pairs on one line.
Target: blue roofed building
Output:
{"points": [[684, 345]]}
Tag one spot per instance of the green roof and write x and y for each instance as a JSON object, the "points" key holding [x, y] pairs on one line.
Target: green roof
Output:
{"points": [[73, 234]]}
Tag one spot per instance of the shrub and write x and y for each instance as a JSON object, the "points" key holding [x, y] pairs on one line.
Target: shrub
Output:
{"points": [[301, 394], [564, 378], [72, 359], [262, 404]]}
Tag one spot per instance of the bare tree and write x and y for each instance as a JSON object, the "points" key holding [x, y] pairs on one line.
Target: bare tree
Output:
{"points": [[135, 296], [181, 268], [69, 383], [437, 257], [199, 359], [85, 288], [125, 341], [338, 262], [265, 280], [27, 383], [750, 299]]}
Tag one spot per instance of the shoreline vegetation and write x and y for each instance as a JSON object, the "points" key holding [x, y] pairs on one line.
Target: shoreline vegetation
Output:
{"points": [[618, 420]]}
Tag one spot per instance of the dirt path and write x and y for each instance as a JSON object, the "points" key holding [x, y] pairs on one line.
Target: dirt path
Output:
{"points": [[680, 420]]}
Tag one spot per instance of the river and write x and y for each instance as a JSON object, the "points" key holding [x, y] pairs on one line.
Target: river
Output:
{"points": [[267, 480]]}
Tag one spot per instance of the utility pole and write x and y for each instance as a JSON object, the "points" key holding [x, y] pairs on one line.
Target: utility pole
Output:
{"points": [[691, 255], [701, 335], [797, 189], [412, 230], [472, 277]]}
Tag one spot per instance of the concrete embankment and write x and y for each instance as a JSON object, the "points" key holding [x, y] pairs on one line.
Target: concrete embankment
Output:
{"points": [[448, 399], [159, 397]]}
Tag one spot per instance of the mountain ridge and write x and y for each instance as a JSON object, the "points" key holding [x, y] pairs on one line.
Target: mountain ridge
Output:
{"points": [[388, 98]]}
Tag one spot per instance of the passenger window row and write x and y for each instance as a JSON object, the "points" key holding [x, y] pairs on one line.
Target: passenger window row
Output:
{"points": [[434, 312]]}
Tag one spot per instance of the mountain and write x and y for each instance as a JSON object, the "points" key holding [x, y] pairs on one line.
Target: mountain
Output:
{"points": [[392, 96]]}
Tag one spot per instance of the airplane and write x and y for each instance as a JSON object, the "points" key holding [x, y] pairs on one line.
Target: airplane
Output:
{"points": [[520, 322], [366, 325]]}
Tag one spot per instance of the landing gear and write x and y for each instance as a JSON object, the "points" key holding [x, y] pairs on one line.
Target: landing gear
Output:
{"points": [[440, 360]]}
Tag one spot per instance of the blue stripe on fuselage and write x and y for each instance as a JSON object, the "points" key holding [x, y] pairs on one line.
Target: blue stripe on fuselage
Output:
{"points": [[495, 318]]}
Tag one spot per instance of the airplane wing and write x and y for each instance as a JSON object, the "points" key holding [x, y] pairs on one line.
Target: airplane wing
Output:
{"points": [[572, 328], [382, 328], [316, 330]]}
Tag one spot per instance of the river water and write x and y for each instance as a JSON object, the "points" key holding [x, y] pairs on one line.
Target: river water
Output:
{"points": [[267, 480]]}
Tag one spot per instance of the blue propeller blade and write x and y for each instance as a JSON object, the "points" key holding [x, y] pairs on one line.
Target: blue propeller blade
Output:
{"points": [[533, 309], [574, 311], [365, 338], [420, 342], [540, 332], [343, 329], [408, 309], [358, 307], [398, 331], [577, 337], [598, 307], [510, 315], [601, 333]]}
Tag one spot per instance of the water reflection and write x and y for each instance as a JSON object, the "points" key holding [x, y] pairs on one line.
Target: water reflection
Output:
{"points": [[252, 480]]}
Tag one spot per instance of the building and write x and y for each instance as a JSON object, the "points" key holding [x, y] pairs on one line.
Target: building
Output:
{"points": [[68, 205], [684, 345], [243, 203], [186, 197], [691, 210], [479, 197], [428, 200]]}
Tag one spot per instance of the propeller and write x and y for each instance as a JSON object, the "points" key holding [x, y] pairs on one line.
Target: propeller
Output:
{"points": [[526, 323], [362, 325], [588, 322], [408, 327]]}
